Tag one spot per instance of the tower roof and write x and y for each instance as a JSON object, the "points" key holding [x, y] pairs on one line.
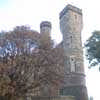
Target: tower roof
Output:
{"points": [[70, 7]]}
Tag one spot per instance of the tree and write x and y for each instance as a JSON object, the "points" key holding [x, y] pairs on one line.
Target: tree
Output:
{"points": [[91, 98], [29, 62], [92, 46]]}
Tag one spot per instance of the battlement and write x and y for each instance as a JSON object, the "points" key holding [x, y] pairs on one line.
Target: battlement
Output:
{"points": [[45, 23], [70, 7]]}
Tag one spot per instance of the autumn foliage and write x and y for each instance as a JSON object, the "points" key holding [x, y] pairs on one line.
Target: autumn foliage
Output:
{"points": [[27, 63]]}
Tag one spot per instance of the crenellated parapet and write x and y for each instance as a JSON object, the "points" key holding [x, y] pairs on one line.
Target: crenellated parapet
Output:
{"points": [[72, 8], [45, 24]]}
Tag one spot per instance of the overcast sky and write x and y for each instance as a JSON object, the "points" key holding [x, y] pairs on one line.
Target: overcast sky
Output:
{"points": [[32, 12]]}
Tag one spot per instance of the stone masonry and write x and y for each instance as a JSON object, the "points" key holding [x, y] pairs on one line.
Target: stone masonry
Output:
{"points": [[71, 26], [50, 98]]}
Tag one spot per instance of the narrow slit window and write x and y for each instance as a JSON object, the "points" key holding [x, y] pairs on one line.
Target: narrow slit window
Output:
{"points": [[71, 39]]}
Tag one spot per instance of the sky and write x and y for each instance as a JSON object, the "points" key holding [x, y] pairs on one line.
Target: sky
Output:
{"points": [[32, 12]]}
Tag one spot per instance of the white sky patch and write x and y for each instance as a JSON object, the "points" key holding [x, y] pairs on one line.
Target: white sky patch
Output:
{"points": [[32, 12]]}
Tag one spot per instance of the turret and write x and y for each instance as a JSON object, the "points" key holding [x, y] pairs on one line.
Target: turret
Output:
{"points": [[45, 31], [45, 27]]}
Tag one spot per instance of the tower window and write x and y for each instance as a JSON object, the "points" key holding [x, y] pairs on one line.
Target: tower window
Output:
{"points": [[71, 39], [75, 16], [72, 64]]}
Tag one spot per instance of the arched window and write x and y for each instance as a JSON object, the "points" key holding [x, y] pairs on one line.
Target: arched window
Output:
{"points": [[72, 64]]}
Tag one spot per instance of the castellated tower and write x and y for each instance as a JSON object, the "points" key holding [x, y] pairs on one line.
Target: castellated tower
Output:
{"points": [[71, 26], [45, 27], [45, 40], [45, 30]]}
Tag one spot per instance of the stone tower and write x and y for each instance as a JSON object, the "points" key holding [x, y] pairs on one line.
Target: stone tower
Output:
{"points": [[71, 26], [45, 30], [45, 27]]}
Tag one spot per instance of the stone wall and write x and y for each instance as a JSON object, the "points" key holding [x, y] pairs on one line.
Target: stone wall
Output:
{"points": [[79, 92], [51, 98]]}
